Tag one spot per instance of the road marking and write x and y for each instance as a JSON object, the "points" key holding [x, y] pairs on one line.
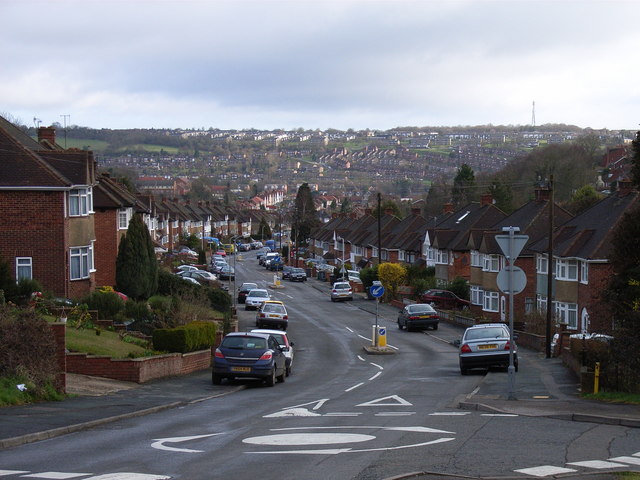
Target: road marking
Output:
{"points": [[545, 471], [375, 376], [128, 476], [449, 414], [4, 473], [316, 403], [342, 414], [360, 358], [415, 429], [348, 450], [56, 475], [378, 366], [380, 402], [159, 443], [309, 439], [598, 464], [631, 460], [354, 387], [498, 415], [293, 412]]}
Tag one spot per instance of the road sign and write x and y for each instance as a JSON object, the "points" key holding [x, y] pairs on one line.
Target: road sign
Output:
{"points": [[376, 291], [519, 241], [519, 279]]}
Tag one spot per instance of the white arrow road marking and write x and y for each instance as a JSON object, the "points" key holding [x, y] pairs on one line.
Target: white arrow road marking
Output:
{"points": [[349, 450], [379, 402], [293, 412], [159, 443], [317, 403], [417, 429]]}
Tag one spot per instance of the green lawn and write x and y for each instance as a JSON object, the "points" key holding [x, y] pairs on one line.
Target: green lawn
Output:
{"points": [[107, 343]]}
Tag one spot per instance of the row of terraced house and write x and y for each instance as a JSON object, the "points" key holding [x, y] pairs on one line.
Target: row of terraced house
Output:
{"points": [[462, 243], [61, 219]]}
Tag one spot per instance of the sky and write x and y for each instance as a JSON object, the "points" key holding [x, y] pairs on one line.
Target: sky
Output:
{"points": [[318, 64]]}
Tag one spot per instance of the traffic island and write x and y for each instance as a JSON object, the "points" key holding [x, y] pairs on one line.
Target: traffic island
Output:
{"points": [[373, 350]]}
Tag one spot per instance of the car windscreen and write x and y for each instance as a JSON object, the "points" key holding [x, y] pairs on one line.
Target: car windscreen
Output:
{"points": [[420, 309]]}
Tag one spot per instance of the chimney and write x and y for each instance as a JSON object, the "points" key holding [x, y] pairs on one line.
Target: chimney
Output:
{"points": [[48, 134], [486, 199], [542, 194], [415, 211], [447, 208]]}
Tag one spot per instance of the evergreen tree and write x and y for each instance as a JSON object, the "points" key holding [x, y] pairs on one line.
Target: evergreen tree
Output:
{"points": [[635, 161], [304, 215], [463, 184], [136, 265], [502, 195]]}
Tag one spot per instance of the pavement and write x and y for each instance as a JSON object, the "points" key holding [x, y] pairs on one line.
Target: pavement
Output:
{"points": [[543, 388]]}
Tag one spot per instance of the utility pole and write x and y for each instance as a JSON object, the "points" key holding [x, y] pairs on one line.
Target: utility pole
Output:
{"points": [[550, 272], [65, 117]]}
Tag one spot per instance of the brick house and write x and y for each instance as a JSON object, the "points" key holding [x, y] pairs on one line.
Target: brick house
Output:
{"points": [[580, 263], [47, 230]]}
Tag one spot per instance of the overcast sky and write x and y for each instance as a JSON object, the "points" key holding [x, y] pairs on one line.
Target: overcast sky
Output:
{"points": [[311, 64]]}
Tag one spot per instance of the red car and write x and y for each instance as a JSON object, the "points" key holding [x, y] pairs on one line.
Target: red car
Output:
{"points": [[444, 299]]}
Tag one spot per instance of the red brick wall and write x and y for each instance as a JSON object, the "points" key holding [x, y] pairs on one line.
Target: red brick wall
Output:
{"points": [[106, 247], [139, 370], [590, 297], [32, 224]]}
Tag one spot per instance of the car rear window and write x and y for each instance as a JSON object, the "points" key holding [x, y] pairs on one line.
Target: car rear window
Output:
{"points": [[420, 309], [245, 342], [492, 332], [258, 294], [273, 308]]}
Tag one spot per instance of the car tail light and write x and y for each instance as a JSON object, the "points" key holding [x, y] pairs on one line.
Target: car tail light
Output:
{"points": [[218, 353], [266, 356], [286, 317], [465, 348], [507, 346]]}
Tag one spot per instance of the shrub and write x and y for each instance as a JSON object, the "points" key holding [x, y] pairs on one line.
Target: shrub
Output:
{"points": [[460, 287], [186, 338], [219, 300], [28, 349], [107, 303]]}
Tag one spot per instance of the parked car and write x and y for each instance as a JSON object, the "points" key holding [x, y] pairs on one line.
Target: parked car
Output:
{"points": [[418, 316], [298, 275], [204, 278], [284, 341], [249, 355], [185, 268], [187, 251], [227, 273], [244, 290], [286, 271], [354, 276], [190, 280], [274, 264], [486, 345], [444, 299], [218, 265], [341, 291], [272, 313], [255, 298]]}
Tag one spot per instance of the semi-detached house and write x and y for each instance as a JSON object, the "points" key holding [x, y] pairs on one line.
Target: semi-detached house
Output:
{"points": [[47, 229]]}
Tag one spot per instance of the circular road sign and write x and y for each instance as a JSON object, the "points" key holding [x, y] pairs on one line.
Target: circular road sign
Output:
{"points": [[519, 279], [376, 291]]}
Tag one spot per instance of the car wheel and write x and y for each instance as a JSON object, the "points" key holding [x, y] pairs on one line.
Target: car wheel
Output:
{"points": [[399, 325], [271, 379], [282, 377], [464, 371], [333, 299], [409, 327], [216, 379], [288, 370], [435, 326], [246, 307]]}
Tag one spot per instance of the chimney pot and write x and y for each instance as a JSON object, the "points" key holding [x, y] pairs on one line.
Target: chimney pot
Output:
{"points": [[48, 134]]}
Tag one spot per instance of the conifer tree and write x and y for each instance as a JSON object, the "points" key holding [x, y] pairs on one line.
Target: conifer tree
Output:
{"points": [[136, 265]]}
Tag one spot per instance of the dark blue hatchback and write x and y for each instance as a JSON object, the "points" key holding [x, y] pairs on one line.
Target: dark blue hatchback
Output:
{"points": [[249, 355]]}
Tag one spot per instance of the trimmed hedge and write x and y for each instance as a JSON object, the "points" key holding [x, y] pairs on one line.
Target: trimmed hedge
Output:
{"points": [[186, 338]]}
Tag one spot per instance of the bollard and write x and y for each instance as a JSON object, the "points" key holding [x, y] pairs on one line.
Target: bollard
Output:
{"points": [[596, 378]]}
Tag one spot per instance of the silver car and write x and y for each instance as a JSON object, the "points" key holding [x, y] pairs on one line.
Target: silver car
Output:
{"points": [[284, 342], [255, 298], [484, 346], [341, 291]]}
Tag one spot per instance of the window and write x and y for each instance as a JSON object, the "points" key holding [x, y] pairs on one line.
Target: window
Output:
{"points": [[123, 218], [357, 251], [374, 252], [385, 255], [476, 295], [491, 263], [584, 272], [542, 264], [410, 257], [442, 256], [490, 302], [476, 258], [528, 305], [401, 256], [80, 202], [24, 268], [567, 313], [542, 303], [81, 262], [431, 254], [567, 270]]}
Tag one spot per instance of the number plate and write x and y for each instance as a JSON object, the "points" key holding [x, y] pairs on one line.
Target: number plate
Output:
{"points": [[240, 369], [487, 347]]}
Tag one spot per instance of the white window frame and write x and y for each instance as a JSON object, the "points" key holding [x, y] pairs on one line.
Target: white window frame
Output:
{"points": [[24, 268], [541, 303], [567, 313], [477, 294], [357, 250], [80, 202], [491, 302], [442, 257], [542, 264], [124, 216], [476, 258], [80, 262], [374, 252], [491, 263], [567, 269], [584, 272], [431, 254], [401, 256]]}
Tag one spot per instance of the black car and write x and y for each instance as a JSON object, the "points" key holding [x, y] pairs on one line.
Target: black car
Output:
{"points": [[249, 355], [286, 272], [275, 265], [418, 316], [244, 289], [486, 345], [298, 275]]}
